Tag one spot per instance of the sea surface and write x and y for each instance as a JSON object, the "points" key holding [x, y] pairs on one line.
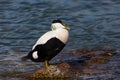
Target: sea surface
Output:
{"points": [[93, 23]]}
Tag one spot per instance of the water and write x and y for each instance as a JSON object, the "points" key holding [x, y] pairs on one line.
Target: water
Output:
{"points": [[92, 24]]}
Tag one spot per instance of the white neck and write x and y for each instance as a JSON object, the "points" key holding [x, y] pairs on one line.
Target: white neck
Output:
{"points": [[56, 26]]}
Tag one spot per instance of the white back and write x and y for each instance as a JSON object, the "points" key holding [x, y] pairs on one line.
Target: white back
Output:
{"points": [[44, 38]]}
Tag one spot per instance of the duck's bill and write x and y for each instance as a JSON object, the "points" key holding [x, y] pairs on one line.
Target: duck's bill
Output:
{"points": [[66, 27]]}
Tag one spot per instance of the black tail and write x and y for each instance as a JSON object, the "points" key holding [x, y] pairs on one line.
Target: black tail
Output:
{"points": [[24, 58]]}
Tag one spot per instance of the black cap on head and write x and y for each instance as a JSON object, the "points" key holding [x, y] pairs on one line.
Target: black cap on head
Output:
{"points": [[57, 21]]}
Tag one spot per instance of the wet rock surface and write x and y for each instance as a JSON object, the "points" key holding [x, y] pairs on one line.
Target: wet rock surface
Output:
{"points": [[82, 64]]}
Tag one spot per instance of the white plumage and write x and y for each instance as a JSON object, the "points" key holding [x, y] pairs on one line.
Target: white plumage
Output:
{"points": [[59, 32], [35, 55]]}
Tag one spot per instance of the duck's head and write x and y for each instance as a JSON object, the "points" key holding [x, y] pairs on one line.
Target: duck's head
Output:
{"points": [[56, 24]]}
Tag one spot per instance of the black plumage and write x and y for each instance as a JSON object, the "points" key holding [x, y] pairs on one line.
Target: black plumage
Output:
{"points": [[47, 51]]}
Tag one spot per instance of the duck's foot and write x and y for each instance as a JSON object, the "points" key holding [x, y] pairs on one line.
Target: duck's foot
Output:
{"points": [[53, 70]]}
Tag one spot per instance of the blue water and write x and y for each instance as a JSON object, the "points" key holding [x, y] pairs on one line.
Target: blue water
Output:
{"points": [[93, 23]]}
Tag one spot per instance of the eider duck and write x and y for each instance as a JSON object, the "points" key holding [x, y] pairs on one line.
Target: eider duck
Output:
{"points": [[50, 43]]}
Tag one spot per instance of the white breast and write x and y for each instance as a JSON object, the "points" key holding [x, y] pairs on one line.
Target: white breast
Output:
{"points": [[61, 34]]}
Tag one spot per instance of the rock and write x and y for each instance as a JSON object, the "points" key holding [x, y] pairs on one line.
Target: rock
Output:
{"points": [[80, 63], [59, 71]]}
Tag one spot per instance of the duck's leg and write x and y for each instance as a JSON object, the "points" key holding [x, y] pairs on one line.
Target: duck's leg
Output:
{"points": [[47, 64], [51, 69]]}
